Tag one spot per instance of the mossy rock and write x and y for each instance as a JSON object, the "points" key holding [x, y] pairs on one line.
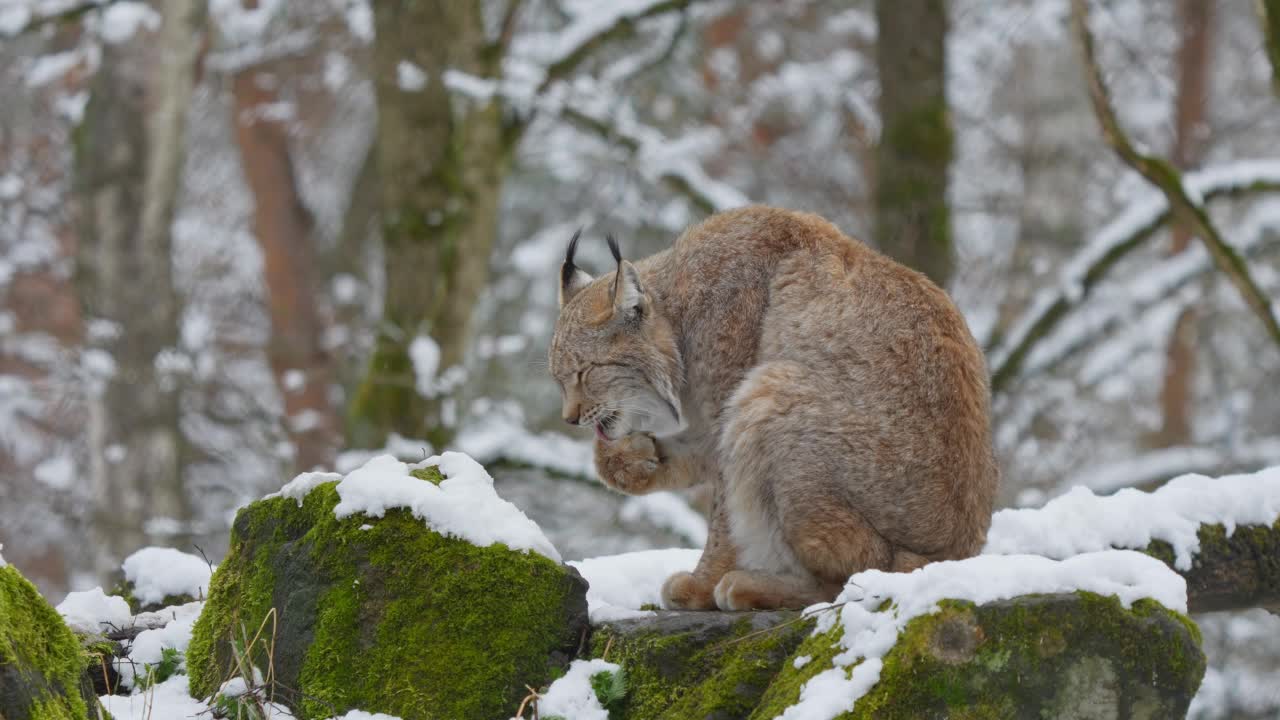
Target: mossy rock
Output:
{"points": [[393, 618], [41, 661], [1066, 656], [698, 665]]}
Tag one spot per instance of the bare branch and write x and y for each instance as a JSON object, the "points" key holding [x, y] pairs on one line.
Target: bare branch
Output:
{"points": [[686, 179], [1269, 14], [1165, 177], [507, 28]]}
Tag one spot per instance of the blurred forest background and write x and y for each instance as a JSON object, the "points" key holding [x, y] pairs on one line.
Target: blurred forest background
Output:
{"points": [[245, 238]]}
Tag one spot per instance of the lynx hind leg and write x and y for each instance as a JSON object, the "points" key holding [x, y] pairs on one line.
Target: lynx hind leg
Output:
{"points": [[751, 590], [788, 497]]}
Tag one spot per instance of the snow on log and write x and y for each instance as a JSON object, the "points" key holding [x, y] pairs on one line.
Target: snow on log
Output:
{"points": [[1222, 535]]}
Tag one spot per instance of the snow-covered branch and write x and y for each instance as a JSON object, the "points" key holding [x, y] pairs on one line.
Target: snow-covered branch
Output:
{"points": [[18, 18], [1156, 285], [1221, 535], [561, 52], [1114, 241], [1148, 469], [1188, 206], [678, 171]]}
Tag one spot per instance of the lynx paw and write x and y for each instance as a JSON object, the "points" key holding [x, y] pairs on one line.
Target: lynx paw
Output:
{"points": [[628, 464], [745, 590], [686, 591]]}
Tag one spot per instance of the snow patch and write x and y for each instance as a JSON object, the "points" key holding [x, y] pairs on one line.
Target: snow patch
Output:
{"points": [[618, 585], [297, 488], [93, 611], [170, 699], [410, 77], [669, 511], [157, 573], [1080, 521], [572, 696], [500, 435], [122, 20], [464, 505], [424, 353], [149, 646], [869, 634], [57, 473], [14, 19]]}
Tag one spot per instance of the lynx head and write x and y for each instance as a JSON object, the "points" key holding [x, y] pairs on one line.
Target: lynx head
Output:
{"points": [[614, 353]]}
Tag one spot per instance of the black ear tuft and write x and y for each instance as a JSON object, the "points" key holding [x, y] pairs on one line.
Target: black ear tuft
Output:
{"points": [[613, 248], [568, 268]]}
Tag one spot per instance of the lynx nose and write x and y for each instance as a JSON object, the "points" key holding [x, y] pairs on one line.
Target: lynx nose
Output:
{"points": [[571, 415]]}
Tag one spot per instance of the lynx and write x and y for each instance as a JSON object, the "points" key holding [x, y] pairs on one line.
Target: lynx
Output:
{"points": [[833, 399]]}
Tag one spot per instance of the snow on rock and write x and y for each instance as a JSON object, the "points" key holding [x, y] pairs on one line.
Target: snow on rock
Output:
{"points": [[618, 585], [297, 488], [869, 634], [148, 647], [1080, 521], [93, 611], [170, 700], [157, 573], [2, 562], [464, 505], [572, 696]]}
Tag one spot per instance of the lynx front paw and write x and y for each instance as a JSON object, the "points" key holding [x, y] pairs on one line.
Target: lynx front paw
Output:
{"points": [[686, 591], [628, 464]]}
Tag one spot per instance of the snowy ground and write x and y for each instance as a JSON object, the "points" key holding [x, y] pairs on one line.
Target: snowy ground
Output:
{"points": [[1069, 537]]}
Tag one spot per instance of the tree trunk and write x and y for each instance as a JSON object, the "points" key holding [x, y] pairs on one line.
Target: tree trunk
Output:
{"points": [[1194, 59], [913, 158], [441, 161], [302, 367], [129, 159]]}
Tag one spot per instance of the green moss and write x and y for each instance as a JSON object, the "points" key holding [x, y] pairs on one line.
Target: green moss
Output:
{"points": [[680, 675], [430, 474], [784, 691], [440, 627], [41, 661], [1038, 653]]}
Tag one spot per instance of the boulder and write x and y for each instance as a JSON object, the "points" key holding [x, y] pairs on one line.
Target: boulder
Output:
{"points": [[421, 609], [1101, 635], [41, 661], [683, 665], [1067, 656]]}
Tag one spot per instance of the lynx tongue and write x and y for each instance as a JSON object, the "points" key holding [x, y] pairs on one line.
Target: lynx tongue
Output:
{"points": [[600, 434]]}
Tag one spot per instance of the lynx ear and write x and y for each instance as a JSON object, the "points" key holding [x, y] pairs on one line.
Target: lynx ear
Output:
{"points": [[629, 300], [572, 280]]}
